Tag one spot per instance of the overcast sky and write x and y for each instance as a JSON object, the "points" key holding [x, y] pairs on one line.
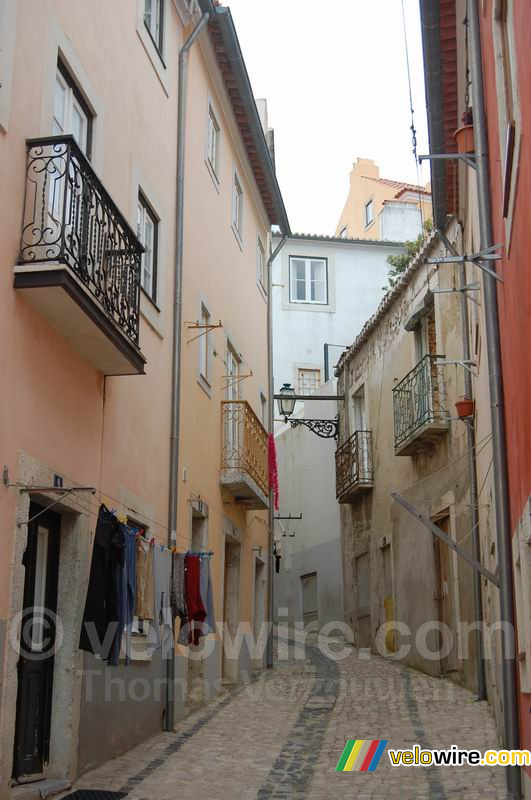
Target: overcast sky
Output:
{"points": [[335, 78]]}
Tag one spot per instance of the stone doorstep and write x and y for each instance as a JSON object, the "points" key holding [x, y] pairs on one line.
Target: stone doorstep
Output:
{"points": [[39, 790]]}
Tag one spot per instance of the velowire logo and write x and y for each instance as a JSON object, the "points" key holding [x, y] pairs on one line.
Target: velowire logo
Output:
{"points": [[361, 755]]}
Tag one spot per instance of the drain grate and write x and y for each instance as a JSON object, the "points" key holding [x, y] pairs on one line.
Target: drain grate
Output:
{"points": [[94, 794]]}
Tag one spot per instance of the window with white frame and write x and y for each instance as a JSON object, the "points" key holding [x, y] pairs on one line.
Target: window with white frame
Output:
{"points": [[147, 232], [212, 141], [237, 207], [369, 213], [309, 380], [204, 345], [70, 112], [261, 265], [308, 280], [154, 21]]}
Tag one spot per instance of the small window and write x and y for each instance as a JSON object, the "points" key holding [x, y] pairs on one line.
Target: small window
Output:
{"points": [[343, 233], [213, 141], [309, 380], [308, 280], [261, 265], [369, 213], [154, 21], [204, 344], [237, 207], [147, 232], [70, 112]]}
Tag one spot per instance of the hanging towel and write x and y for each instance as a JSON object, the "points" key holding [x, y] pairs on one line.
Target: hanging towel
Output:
{"points": [[100, 617], [207, 594], [194, 603], [145, 589], [177, 598], [161, 630]]}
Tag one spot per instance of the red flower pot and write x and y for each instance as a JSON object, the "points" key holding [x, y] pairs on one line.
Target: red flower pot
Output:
{"points": [[464, 137], [464, 407]]}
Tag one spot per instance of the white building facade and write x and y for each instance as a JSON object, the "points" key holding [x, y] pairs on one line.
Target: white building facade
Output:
{"points": [[324, 290]]}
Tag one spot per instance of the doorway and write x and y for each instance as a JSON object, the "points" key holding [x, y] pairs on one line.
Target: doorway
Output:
{"points": [[231, 610], [310, 608], [259, 610], [444, 597], [37, 643]]}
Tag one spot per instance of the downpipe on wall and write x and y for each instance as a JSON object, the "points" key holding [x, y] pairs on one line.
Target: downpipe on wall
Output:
{"points": [[499, 448], [177, 335]]}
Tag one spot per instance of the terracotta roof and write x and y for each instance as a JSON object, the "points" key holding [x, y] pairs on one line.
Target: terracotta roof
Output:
{"points": [[400, 185], [387, 302]]}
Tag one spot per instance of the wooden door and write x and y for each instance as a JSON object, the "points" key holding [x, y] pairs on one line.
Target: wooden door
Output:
{"points": [[37, 644], [310, 612], [444, 596]]}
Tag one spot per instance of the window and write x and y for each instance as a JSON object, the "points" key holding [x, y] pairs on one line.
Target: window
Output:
{"points": [[147, 232], [70, 112], [212, 141], [237, 207], [261, 266], [369, 213], [308, 280], [343, 233], [309, 380], [204, 345], [154, 21]]}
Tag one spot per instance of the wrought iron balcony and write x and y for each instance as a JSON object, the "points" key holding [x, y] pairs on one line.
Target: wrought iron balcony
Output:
{"points": [[79, 259], [419, 403], [354, 466], [244, 464]]}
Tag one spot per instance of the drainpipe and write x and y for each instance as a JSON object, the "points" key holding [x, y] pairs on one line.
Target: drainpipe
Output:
{"points": [[473, 479], [271, 430], [177, 326], [499, 451]]}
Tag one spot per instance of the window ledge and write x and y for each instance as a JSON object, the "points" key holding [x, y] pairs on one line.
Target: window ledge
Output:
{"points": [[212, 173], [237, 235]]}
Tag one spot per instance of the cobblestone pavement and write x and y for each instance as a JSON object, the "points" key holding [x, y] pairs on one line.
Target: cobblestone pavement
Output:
{"points": [[282, 735]]}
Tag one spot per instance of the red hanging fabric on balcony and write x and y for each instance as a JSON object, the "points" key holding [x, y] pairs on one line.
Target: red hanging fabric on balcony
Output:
{"points": [[273, 470]]}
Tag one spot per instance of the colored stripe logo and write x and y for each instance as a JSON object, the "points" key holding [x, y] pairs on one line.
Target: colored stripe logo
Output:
{"points": [[361, 755]]}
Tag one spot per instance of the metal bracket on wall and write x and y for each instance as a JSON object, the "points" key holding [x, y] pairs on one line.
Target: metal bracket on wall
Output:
{"points": [[325, 428], [468, 158], [460, 362], [488, 254], [431, 526]]}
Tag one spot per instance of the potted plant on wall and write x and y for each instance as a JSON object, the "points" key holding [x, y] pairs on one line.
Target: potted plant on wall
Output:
{"points": [[464, 136], [464, 407]]}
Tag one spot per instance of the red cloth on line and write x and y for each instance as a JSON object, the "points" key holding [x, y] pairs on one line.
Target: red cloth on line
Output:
{"points": [[196, 610]]}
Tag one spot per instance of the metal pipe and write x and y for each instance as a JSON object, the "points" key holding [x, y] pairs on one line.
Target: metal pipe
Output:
{"points": [[271, 430], [472, 476], [177, 338], [499, 450]]}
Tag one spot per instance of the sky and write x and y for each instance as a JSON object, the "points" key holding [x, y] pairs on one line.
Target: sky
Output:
{"points": [[335, 78]]}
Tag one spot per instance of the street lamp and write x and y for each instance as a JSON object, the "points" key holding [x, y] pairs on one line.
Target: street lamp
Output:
{"points": [[325, 428], [286, 401]]}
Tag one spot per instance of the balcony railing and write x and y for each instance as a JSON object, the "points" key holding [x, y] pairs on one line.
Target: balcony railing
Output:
{"points": [[354, 465], [419, 404], [70, 219], [244, 463]]}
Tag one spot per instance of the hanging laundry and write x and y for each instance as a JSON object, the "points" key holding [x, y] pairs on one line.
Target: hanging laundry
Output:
{"points": [[100, 618], [207, 594], [177, 596], [126, 598], [196, 609], [161, 631], [145, 589]]}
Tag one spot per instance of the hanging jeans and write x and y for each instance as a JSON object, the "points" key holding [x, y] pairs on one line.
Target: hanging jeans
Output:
{"points": [[178, 602]]}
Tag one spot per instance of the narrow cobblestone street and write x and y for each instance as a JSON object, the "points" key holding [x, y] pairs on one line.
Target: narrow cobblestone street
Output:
{"points": [[282, 735]]}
